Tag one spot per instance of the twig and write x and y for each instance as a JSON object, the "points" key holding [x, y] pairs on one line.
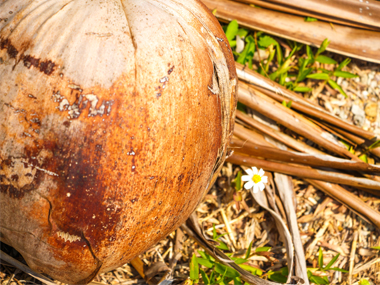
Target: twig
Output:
{"points": [[25, 268], [366, 266], [285, 189], [228, 227], [352, 257]]}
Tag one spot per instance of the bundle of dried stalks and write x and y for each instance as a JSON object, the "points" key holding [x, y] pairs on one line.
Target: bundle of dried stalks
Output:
{"points": [[348, 37]]}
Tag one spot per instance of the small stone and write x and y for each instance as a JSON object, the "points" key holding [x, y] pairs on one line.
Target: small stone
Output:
{"points": [[371, 109], [358, 120], [356, 110], [364, 79], [359, 115]]}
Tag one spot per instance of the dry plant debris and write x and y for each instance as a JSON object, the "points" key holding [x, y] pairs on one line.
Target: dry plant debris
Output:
{"points": [[331, 222]]}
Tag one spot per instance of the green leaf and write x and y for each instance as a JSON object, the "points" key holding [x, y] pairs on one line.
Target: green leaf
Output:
{"points": [[338, 269], [222, 235], [302, 89], [346, 144], [284, 271], [205, 278], [203, 254], [287, 105], [320, 76], [320, 258], [309, 274], [265, 41], [213, 277], [239, 260], [291, 53], [261, 249], [194, 269], [237, 281], [364, 282], [238, 184], [232, 30], [335, 85], [269, 60], [226, 271], [248, 252], [253, 270], [332, 261], [227, 280], [250, 62], [325, 59], [289, 85], [318, 280], [214, 233], [222, 246], [376, 247], [249, 50], [242, 33], [345, 74], [241, 107], [205, 262], [302, 74], [279, 54], [310, 19], [282, 78], [309, 53], [278, 277], [375, 145], [344, 63], [323, 47], [364, 157], [232, 44]]}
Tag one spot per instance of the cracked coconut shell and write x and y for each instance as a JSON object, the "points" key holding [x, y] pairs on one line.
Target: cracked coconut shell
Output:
{"points": [[114, 121]]}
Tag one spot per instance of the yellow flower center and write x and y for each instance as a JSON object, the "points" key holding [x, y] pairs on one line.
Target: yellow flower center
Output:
{"points": [[256, 178]]}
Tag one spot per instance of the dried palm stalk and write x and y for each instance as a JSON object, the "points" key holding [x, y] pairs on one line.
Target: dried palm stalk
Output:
{"points": [[350, 41], [305, 172], [361, 14], [272, 153]]}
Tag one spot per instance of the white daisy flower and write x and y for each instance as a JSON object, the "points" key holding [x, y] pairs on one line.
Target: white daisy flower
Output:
{"points": [[255, 179]]}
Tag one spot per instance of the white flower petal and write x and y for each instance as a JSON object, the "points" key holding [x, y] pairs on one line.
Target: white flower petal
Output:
{"points": [[261, 186], [261, 172], [264, 179], [249, 171], [246, 177], [249, 185], [239, 44], [255, 171], [255, 188]]}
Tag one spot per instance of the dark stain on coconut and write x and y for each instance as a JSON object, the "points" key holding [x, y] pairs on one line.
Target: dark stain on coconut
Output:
{"points": [[46, 66]]}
